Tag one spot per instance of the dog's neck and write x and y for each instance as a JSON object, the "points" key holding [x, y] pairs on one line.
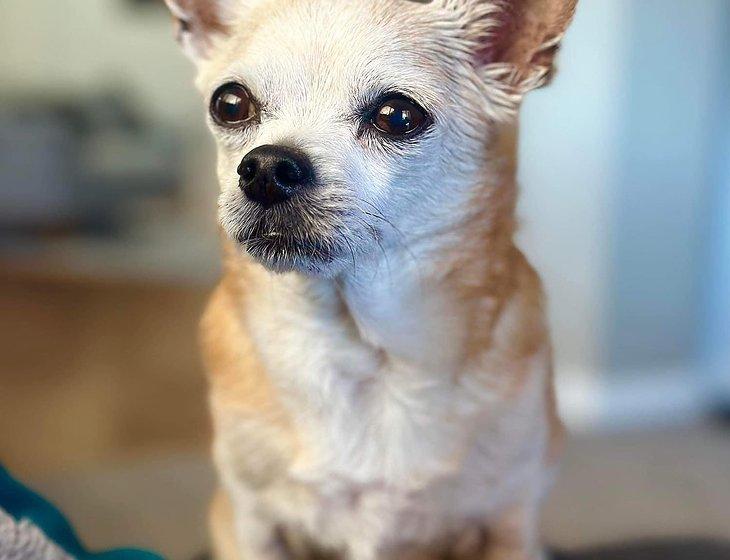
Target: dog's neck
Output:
{"points": [[425, 299]]}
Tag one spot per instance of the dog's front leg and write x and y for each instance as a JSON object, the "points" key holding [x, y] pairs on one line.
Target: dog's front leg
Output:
{"points": [[238, 535], [515, 535]]}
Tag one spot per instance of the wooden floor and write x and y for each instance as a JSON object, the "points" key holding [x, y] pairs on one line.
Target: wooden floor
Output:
{"points": [[96, 373]]}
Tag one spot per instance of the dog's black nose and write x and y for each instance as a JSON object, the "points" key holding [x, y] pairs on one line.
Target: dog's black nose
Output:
{"points": [[272, 174]]}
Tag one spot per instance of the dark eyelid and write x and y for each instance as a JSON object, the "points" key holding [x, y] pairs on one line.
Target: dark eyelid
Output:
{"points": [[373, 100], [231, 80]]}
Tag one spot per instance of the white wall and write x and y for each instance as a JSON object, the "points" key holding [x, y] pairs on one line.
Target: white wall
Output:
{"points": [[618, 195], [79, 48], [73, 46], [569, 152], [717, 346], [717, 281], [667, 142]]}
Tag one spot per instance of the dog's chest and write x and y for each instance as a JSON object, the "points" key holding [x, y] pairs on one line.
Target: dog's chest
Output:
{"points": [[400, 459], [390, 448], [401, 465]]}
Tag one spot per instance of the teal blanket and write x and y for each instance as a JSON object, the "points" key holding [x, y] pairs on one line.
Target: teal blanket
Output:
{"points": [[32, 529]]}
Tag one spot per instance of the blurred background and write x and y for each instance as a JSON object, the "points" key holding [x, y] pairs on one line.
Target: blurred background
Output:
{"points": [[108, 247]]}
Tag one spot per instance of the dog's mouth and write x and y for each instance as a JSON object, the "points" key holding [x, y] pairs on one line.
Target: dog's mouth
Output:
{"points": [[283, 249], [296, 235]]}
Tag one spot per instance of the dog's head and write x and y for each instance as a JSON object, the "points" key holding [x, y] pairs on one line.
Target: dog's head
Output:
{"points": [[344, 124]]}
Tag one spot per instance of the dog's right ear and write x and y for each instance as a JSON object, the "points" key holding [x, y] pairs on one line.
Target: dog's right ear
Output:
{"points": [[199, 23]]}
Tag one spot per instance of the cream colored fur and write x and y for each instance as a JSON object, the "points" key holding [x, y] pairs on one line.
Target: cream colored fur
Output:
{"points": [[396, 402]]}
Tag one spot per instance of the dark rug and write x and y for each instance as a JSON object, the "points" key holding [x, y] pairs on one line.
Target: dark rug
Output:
{"points": [[659, 550], [650, 550]]}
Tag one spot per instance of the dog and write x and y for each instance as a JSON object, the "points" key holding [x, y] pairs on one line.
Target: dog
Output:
{"points": [[379, 361]]}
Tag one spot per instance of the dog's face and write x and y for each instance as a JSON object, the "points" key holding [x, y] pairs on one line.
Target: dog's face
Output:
{"points": [[343, 125]]}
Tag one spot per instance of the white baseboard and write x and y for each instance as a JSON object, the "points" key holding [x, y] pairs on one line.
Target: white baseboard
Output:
{"points": [[626, 400]]}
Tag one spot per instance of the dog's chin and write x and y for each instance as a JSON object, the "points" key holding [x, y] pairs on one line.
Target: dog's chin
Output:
{"points": [[283, 252], [288, 255], [308, 237]]}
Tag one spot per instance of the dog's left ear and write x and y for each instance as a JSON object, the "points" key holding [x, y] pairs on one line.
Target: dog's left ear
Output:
{"points": [[526, 34], [516, 43], [199, 23]]}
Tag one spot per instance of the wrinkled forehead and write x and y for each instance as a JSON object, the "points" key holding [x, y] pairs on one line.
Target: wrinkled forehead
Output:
{"points": [[304, 49]]}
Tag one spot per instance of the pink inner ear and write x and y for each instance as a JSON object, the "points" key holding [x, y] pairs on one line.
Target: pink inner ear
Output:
{"points": [[497, 43], [207, 14], [197, 16]]}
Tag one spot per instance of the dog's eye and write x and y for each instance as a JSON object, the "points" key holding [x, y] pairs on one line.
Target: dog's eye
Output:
{"points": [[399, 116], [231, 105]]}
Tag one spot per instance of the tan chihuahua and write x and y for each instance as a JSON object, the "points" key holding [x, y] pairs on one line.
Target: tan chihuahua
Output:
{"points": [[379, 362]]}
